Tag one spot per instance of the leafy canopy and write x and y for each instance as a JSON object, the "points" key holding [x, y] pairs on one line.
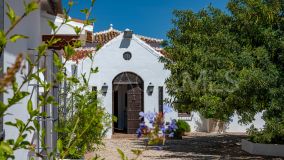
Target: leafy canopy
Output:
{"points": [[227, 62]]}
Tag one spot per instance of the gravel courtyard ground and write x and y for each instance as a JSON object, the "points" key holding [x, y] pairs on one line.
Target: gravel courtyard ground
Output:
{"points": [[193, 146]]}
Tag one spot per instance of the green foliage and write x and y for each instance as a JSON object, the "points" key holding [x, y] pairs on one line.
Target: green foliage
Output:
{"points": [[122, 155], [77, 30], [226, 63], [15, 37], [52, 25], [3, 40], [182, 126], [84, 122], [83, 129], [136, 152], [30, 7], [273, 134], [11, 14]]}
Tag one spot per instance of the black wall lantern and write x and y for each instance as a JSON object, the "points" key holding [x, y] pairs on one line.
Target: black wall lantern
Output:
{"points": [[104, 88], [150, 88]]}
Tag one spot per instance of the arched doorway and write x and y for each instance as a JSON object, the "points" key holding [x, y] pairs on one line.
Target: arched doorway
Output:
{"points": [[127, 102]]}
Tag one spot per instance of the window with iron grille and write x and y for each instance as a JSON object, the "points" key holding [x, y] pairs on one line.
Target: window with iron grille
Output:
{"points": [[161, 98], [74, 70]]}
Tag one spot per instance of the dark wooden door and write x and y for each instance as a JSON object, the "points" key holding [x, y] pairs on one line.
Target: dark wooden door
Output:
{"points": [[134, 106]]}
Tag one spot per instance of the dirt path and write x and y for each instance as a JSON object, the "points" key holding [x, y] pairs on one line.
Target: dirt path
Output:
{"points": [[193, 146]]}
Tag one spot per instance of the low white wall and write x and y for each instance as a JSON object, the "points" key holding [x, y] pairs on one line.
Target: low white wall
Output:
{"points": [[201, 124], [263, 149]]}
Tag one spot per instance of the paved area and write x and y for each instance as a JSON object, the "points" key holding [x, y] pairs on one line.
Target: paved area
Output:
{"points": [[195, 146]]}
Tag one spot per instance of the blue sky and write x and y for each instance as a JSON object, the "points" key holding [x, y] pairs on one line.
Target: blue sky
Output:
{"points": [[146, 17]]}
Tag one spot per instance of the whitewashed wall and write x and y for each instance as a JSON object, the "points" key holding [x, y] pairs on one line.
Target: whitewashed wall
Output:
{"points": [[64, 29], [30, 27], [200, 124], [1, 59], [234, 126], [144, 62]]}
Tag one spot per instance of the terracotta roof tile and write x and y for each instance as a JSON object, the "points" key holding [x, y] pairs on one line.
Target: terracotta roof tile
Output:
{"points": [[82, 53], [162, 51], [104, 37]]}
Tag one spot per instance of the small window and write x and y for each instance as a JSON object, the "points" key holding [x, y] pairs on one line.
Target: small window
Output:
{"points": [[127, 56], [74, 69], [89, 36], [186, 116]]}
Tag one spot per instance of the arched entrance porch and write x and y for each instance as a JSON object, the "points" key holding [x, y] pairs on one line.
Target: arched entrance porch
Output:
{"points": [[128, 101]]}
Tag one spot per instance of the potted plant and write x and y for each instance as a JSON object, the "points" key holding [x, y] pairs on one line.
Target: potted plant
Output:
{"points": [[182, 127]]}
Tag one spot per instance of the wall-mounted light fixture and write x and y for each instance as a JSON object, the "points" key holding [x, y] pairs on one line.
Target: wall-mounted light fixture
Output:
{"points": [[150, 88], [104, 88]]}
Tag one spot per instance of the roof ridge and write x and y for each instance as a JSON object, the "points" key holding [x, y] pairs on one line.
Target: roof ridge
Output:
{"points": [[118, 31], [106, 31], [146, 37]]}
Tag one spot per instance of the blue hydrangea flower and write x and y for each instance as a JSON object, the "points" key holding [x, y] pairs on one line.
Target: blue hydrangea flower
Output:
{"points": [[141, 114], [174, 124], [171, 134], [163, 129], [150, 116], [167, 108], [139, 132]]}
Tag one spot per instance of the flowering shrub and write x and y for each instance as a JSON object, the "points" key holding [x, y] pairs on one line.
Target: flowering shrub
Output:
{"points": [[157, 130]]}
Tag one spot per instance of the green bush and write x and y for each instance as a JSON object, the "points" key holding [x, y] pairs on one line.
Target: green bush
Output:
{"points": [[272, 133], [182, 127], [84, 123]]}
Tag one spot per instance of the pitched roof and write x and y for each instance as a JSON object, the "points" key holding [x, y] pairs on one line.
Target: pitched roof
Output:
{"points": [[73, 19], [105, 36]]}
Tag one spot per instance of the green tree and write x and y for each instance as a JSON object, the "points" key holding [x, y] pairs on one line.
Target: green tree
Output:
{"points": [[227, 62]]}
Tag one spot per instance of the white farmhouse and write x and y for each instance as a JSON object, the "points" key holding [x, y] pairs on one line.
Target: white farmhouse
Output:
{"points": [[131, 79]]}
